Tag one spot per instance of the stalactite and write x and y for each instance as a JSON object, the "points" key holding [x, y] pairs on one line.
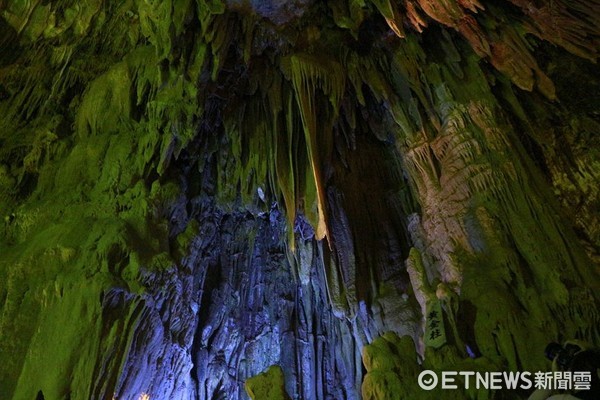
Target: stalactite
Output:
{"points": [[307, 75]]}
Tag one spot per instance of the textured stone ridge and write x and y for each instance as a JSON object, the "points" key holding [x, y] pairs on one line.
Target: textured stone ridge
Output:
{"points": [[194, 191]]}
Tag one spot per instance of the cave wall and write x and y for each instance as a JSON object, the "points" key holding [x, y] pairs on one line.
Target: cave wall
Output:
{"points": [[194, 192]]}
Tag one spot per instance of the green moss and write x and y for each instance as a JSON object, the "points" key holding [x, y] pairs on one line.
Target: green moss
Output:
{"points": [[391, 366], [269, 385], [348, 15]]}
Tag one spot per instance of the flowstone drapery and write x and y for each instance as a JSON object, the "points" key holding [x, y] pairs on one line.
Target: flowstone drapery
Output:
{"points": [[195, 193]]}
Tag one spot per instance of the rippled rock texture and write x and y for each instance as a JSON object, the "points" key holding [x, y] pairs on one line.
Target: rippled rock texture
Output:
{"points": [[224, 199]]}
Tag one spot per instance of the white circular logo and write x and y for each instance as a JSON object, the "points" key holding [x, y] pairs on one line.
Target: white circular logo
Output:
{"points": [[428, 380]]}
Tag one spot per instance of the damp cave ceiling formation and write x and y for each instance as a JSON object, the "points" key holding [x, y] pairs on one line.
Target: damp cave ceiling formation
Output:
{"points": [[196, 192]]}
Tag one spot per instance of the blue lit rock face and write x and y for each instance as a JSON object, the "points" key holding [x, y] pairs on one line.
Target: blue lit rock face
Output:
{"points": [[256, 311], [236, 307], [276, 11], [153, 345]]}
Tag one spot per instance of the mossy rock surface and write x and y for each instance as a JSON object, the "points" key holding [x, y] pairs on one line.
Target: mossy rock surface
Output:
{"points": [[269, 385]]}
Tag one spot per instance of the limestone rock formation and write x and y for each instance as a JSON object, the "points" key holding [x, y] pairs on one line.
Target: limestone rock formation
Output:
{"points": [[194, 191]]}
